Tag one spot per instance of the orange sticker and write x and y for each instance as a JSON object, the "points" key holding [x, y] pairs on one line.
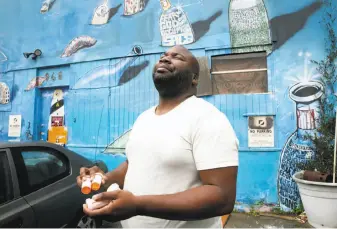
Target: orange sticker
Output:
{"points": [[58, 135]]}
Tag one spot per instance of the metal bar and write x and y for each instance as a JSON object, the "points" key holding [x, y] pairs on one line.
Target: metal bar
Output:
{"points": [[240, 71]]}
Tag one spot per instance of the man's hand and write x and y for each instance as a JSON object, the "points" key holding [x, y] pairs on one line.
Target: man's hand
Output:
{"points": [[90, 172], [123, 205]]}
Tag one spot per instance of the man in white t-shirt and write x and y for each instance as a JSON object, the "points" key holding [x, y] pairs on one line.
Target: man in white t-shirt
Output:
{"points": [[182, 157]]}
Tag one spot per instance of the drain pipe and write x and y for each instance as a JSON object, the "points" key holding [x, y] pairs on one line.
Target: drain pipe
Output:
{"points": [[334, 156]]}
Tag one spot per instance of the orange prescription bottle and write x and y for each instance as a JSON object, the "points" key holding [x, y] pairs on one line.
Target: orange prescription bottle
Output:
{"points": [[86, 185], [96, 183]]}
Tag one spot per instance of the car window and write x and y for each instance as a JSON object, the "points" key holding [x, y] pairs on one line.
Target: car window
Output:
{"points": [[42, 166], [6, 187], [39, 167]]}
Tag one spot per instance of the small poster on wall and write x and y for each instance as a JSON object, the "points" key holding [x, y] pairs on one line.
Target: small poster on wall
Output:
{"points": [[260, 131], [14, 126]]}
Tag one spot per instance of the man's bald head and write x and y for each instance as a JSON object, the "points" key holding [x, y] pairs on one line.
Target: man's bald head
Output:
{"points": [[194, 62]]}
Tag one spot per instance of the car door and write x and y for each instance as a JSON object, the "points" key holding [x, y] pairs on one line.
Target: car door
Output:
{"points": [[15, 212], [49, 187]]}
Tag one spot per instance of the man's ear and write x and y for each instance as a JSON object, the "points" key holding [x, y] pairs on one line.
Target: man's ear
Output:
{"points": [[195, 80]]}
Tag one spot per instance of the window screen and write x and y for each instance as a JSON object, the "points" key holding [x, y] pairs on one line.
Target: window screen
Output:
{"points": [[240, 73]]}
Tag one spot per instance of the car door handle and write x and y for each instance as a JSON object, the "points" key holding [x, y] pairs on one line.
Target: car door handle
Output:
{"points": [[14, 223]]}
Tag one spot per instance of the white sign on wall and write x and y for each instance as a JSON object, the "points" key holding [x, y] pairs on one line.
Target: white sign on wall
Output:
{"points": [[14, 126], [261, 131]]}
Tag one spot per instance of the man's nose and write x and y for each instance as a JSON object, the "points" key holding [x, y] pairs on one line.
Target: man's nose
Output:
{"points": [[165, 59]]}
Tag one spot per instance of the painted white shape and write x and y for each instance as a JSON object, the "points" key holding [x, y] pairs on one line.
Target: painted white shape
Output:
{"points": [[3, 57], [175, 27], [243, 4], [101, 14]]}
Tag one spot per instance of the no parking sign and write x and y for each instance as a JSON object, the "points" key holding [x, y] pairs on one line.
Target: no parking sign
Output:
{"points": [[261, 131]]}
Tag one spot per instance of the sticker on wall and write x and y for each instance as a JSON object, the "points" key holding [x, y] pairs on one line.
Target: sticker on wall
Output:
{"points": [[175, 28], [101, 14], [35, 82], [58, 135], [14, 126], [3, 57], [132, 7], [78, 43], [46, 6], [248, 23], [261, 131], [57, 131], [4, 93], [100, 75], [117, 147]]}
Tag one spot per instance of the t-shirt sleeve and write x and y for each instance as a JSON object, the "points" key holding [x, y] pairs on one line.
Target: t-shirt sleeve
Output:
{"points": [[215, 144]]}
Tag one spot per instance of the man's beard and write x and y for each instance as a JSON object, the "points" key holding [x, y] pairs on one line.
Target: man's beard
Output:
{"points": [[173, 84]]}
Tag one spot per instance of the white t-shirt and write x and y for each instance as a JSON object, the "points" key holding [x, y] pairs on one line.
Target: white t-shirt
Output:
{"points": [[166, 151]]}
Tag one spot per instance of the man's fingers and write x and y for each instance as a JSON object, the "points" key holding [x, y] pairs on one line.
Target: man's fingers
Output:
{"points": [[106, 210], [84, 171], [79, 180], [106, 196], [105, 178], [94, 170]]}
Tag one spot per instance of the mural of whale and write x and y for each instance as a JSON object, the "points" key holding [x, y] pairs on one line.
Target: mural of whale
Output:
{"points": [[95, 77]]}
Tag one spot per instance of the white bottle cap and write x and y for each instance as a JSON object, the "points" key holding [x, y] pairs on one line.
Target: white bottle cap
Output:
{"points": [[92, 205], [113, 187], [86, 182], [98, 178]]}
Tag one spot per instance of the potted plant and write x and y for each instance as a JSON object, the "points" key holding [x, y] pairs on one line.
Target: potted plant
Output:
{"points": [[318, 191]]}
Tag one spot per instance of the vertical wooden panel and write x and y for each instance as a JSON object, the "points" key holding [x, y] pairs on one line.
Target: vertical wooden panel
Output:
{"points": [[236, 106]]}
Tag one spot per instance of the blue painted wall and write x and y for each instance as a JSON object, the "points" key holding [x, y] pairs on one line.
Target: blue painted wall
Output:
{"points": [[101, 110]]}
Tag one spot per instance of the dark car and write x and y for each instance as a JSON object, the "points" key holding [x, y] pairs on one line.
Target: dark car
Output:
{"points": [[38, 186]]}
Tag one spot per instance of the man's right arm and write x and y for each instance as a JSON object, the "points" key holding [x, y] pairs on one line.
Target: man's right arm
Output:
{"points": [[115, 176]]}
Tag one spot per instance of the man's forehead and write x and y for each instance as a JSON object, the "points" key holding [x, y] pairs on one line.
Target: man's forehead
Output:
{"points": [[179, 50]]}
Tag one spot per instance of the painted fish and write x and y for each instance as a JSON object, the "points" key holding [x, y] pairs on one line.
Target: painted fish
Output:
{"points": [[77, 44], [95, 77], [35, 82], [118, 145], [46, 5]]}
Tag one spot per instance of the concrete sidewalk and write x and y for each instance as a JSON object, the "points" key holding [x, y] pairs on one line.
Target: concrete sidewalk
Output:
{"points": [[242, 220]]}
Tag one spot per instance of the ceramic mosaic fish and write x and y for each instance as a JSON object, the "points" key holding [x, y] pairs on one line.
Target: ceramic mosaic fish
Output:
{"points": [[35, 82], [77, 44]]}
